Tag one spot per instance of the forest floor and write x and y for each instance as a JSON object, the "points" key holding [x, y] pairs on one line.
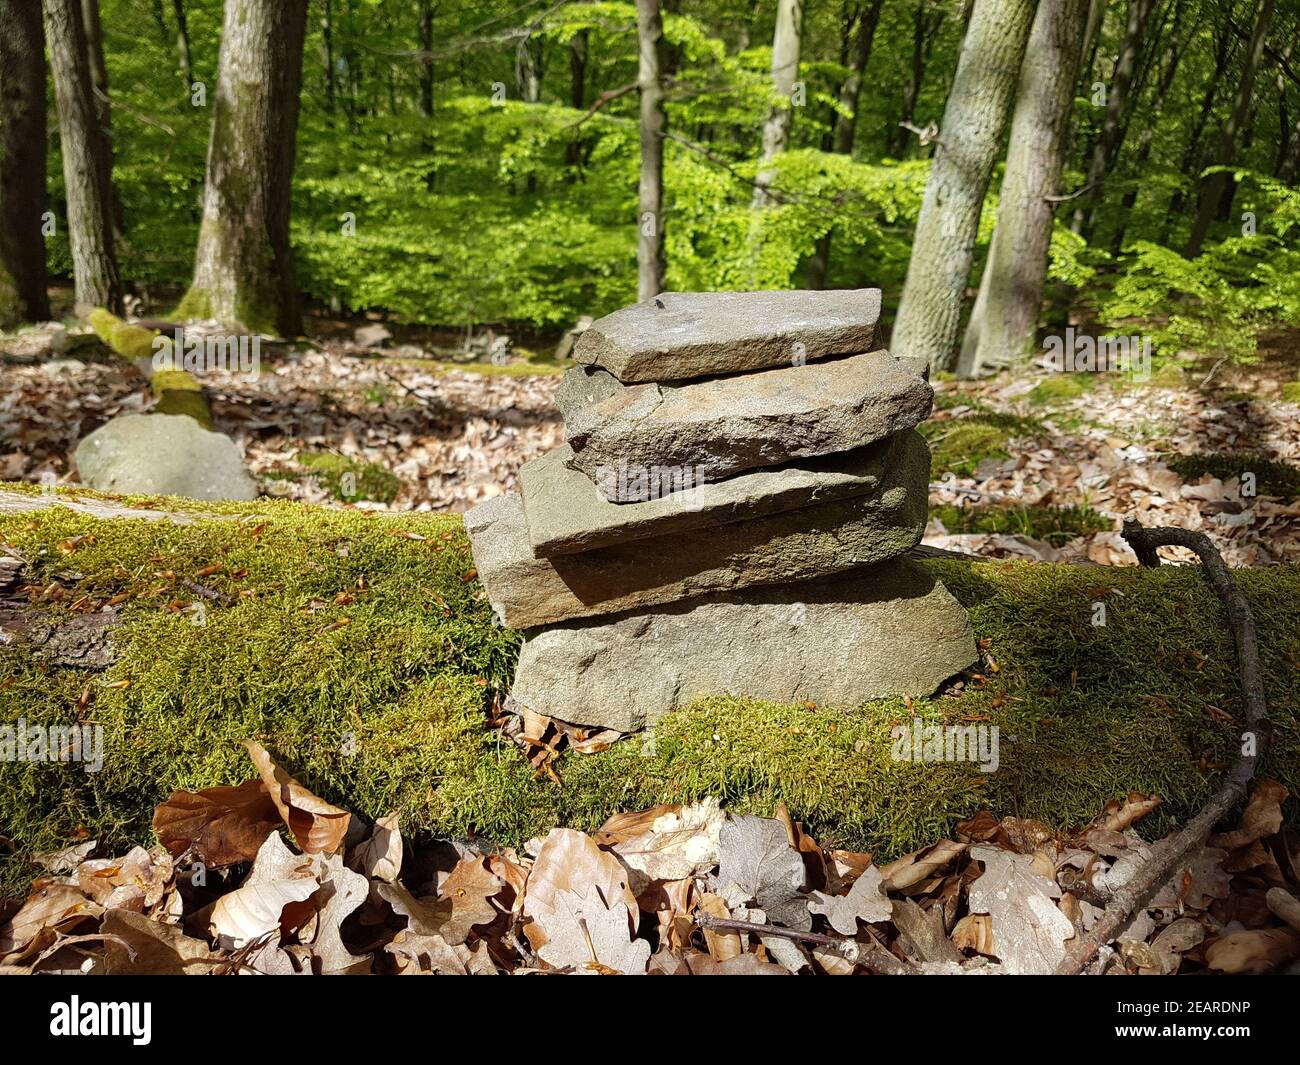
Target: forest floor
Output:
{"points": [[1035, 466]]}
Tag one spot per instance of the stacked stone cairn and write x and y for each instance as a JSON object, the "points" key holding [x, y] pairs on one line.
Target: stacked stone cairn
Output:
{"points": [[731, 514]]}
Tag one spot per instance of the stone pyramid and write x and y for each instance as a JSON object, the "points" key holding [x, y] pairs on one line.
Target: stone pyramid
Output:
{"points": [[741, 483]]}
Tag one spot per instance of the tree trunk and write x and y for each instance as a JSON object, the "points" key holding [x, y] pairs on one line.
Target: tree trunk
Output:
{"points": [[94, 28], [1004, 322], [650, 259], [183, 55], [924, 31], [22, 164], [426, 58], [1191, 153], [1106, 149], [929, 312], [528, 70], [785, 72], [1173, 56], [846, 126], [243, 267], [577, 94], [85, 175], [1215, 186]]}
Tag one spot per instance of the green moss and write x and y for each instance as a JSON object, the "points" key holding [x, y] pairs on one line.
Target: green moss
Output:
{"points": [[173, 381], [1169, 375], [387, 711], [960, 445], [1061, 387], [196, 304], [1291, 392], [1272, 478], [129, 341], [348, 479], [1056, 525]]}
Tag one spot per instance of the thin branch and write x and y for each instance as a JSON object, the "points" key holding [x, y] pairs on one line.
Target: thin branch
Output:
{"points": [[608, 96], [1167, 856]]}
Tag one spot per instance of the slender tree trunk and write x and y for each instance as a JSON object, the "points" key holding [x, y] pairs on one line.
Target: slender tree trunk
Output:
{"points": [[183, 54], [1192, 152], [1106, 149], [785, 72], [243, 266], [22, 164], [1173, 55], [1214, 187], [528, 70], [85, 176], [851, 91], [929, 312], [577, 94], [925, 28], [426, 58], [156, 7], [94, 28], [846, 126], [1004, 322], [650, 259]]}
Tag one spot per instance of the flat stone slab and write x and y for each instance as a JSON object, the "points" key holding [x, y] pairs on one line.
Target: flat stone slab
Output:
{"points": [[567, 514], [793, 545], [681, 335], [890, 630], [163, 454], [713, 429]]}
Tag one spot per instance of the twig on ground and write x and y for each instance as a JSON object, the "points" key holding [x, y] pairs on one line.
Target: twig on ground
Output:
{"points": [[874, 957], [1166, 857]]}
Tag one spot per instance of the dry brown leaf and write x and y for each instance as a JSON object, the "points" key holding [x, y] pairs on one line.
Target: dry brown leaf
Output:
{"points": [[592, 938], [223, 825], [50, 906], [1262, 817], [974, 932], [379, 857], [913, 868], [317, 826], [1253, 951], [141, 947], [1120, 816], [469, 887], [865, 901], [722, 945], [571, 861]]}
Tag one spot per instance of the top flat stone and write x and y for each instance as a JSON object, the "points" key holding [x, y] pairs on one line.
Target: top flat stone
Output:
{"points": [[678, 336]]}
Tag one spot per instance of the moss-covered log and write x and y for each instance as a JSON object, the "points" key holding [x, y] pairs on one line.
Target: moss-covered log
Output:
{"points": [[358, 649], [176, 391]]}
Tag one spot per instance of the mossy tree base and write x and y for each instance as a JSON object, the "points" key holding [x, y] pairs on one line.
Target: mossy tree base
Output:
{"points": [[358, 649]]}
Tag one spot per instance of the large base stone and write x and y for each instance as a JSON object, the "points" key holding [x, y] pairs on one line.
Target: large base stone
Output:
{"points": [[793, 545], [889, 630], [163, 454], [680, 335], [712, 429], [567, 513]]}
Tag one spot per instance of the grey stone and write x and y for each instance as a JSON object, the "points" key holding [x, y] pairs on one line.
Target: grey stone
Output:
{"points": [[681, 335], [890, 630], [712, 429], [793, 545], [163, 454], [567, 514], [583, 387]]}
